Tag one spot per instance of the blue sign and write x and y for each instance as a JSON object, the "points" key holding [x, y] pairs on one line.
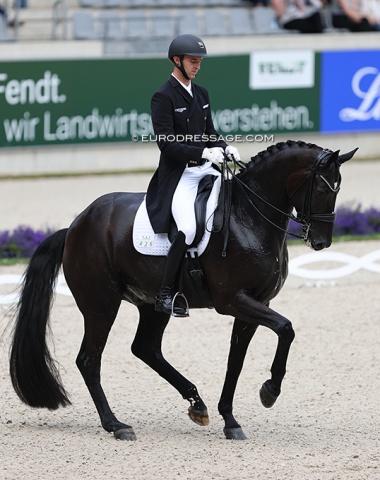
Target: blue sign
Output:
{"points": [[350, 91]]}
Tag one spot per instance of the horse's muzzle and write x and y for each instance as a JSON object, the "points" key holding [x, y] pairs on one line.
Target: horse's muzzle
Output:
{"points": [[320, 244]]}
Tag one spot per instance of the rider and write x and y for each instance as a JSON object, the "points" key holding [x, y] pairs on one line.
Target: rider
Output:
{"points": [[189, 146]]}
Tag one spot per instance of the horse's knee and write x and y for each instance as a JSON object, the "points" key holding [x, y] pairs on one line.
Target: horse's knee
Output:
{"points": [[81, 362], [286, 331]]}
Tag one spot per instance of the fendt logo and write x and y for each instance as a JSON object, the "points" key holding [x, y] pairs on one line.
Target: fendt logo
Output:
{"points": [[281, 69]]}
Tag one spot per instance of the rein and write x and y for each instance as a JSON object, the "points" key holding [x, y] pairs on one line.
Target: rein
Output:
{"points": [[304, 219]]}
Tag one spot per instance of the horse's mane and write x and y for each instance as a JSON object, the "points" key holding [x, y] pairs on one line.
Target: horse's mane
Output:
{"points": [[269, 154]]}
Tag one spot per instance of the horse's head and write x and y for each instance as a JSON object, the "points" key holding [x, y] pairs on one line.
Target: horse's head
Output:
{"points": [[315, 195]]}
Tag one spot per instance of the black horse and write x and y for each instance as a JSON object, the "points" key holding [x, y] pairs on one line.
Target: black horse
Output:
{"points": [[243, 274]]}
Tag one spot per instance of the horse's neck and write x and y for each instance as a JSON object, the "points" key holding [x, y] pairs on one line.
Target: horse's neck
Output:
{"points": [[267, 187], [261, 201]]}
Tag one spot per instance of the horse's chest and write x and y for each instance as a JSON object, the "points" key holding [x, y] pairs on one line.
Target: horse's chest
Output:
{"points": [[264, 272]]}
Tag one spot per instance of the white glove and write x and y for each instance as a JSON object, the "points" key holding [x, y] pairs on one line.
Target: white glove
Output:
{"points": [[232, 153], [214, 155]]}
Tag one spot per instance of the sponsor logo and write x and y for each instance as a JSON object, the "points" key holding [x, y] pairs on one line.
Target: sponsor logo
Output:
{"points": [[281, 69], [366, 87]]}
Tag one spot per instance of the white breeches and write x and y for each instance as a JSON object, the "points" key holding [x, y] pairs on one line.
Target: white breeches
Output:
{"points": [[184, 198]]}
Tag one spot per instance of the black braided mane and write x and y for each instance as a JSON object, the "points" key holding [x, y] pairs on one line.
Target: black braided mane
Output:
{"points": [[271, 151]]}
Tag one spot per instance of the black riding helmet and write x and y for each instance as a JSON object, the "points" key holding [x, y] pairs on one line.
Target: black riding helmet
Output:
{"points": [[186, 44]]}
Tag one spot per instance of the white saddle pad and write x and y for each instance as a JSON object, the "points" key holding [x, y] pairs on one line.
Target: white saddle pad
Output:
{"points": [[149, 243]]}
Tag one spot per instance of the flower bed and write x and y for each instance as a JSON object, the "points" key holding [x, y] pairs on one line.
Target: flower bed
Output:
{"points": [[21, 242]]}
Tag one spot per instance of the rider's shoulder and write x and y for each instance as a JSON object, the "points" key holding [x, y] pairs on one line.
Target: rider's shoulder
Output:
{"points": [[200, 89]]}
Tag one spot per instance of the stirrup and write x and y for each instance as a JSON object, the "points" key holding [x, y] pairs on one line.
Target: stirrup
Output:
{"points": [[186, 314]]}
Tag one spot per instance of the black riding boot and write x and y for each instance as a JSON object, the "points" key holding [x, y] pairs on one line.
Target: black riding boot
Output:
{"points": [[164, 299]]}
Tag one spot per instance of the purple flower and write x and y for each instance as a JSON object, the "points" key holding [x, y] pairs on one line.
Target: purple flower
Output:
{"points": [[21, 242]]}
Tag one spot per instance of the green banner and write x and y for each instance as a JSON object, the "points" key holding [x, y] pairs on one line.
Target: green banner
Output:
{"points": [[90, 101]]}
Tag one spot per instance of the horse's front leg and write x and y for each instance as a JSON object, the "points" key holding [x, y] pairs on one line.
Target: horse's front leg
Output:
{"points": [[263, 315], [249, 310], [241, 336], [147, 347]]}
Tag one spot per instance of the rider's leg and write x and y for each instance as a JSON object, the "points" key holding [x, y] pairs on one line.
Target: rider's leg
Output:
{"points": [[184, 216], [183, 202], [170, 280]]}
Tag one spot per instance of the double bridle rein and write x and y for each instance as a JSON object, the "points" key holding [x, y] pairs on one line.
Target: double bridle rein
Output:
{"points": [[305, 217]]}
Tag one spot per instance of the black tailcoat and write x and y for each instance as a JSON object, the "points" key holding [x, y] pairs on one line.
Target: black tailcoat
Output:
{"points": [[175, 113]]}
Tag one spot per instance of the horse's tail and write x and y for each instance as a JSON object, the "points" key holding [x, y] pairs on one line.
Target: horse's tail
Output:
{"points": [[34, 374]]}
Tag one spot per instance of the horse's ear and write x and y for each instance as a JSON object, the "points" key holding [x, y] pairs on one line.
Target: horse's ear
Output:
{"points": [[332, 158], [347, 156]]}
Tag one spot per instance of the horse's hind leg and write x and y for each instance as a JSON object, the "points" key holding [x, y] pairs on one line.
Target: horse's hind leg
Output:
{"points": [[241, 336], [97, 328], [147, 347]]}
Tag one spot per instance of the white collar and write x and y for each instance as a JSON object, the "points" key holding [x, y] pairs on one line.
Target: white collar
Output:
{"points": [[186, 87]]}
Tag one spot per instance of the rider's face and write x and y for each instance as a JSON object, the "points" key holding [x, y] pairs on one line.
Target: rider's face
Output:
{"points": [[190, 64]]}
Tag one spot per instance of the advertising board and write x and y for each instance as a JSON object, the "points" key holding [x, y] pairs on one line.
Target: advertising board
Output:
{"points": [[350, 91], [108, 100]]}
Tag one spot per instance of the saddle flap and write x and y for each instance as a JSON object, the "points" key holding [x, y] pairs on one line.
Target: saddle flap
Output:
{"points": [[147, 242]]}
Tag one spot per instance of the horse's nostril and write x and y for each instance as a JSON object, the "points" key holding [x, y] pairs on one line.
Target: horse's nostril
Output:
{"points": [[319, 245]]}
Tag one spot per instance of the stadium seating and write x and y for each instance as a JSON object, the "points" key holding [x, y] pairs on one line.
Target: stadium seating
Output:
{"points": [[84, 26], [142, 20], [3, 29]]}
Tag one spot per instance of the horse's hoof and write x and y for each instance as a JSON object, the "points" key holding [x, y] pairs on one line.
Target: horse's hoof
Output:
{"points": [[234, 433], [125, 434], [200, 417], [267, 398]]}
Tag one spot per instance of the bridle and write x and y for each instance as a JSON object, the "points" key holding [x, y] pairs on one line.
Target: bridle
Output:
{"points": [[306, 217], [303, 218]]}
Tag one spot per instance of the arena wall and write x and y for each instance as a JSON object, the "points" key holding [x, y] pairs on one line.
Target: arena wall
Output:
{"points": [[122, 157]]}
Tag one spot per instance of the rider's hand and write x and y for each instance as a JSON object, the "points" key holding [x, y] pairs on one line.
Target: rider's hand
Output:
{"points": [[214, 155], [232, 153]]}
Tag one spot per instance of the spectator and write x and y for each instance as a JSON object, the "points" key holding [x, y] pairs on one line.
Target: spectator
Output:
{"points": [[373, 7], [258, 3], [3, 13], [352, 15], [11, 19], [302, 15]]}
